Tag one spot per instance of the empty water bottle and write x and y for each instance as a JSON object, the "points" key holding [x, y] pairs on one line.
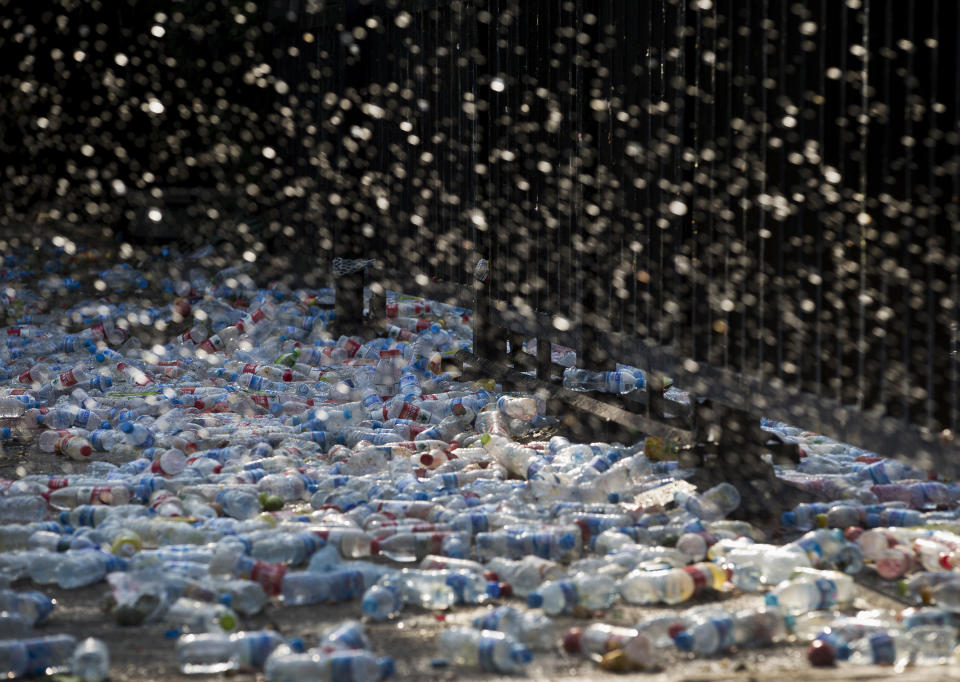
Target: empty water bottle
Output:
{"points": [[488, 650], [91, 660], [36, 656], [713, 504], [599, 639], [337, 666], [534, 629], [562, 596], [190, 615], [216, 653], [315, 588], [813, 590]]}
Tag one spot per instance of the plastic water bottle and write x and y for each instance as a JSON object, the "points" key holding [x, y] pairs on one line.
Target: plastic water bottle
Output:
{"points": [[534, 629], [813, 590], [36, 656], [289, 548], [598, 639], [415, 546], [526, 574], [383, 601], [488, 650], [78, 568], [672, 585], [804, 515], [238, 503], [576, 379], [216, 653], [315, 588], [827, 548], [557, 544], [338, 666], [562, 596], [190, 615], [138, 435], [467, 587], [22, 509], [879, 648], [707, 635], [91, 660], [713, 504], [34, 606], [243, 596], [521, 408]]}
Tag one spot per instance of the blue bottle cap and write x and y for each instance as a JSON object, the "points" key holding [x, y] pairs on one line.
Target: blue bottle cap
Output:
{"points": [[226, 599], [684, 641], [172, 633], [521, 654], [387, 667], [788, 518], [297, 645], [534, 600], [493, 589]]}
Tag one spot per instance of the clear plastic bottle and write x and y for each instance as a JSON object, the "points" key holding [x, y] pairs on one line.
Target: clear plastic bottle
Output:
{"points": [[337, 666], [527, 574], [243, 596], [290, 548], [827, 548], [522, 408], [22, 509], [624, 381], [813, 590], [707, 635], [671, 585], [238, 503], [383, 601], [534, 629], [562, 596], [91, 660], [34, 606], [597, 639], [556, 544], [36, 656], [78, 568], [488, 650], [190, 615], [415, 546], [713, 504], [315, 588], [880, 648], [216, 653]]}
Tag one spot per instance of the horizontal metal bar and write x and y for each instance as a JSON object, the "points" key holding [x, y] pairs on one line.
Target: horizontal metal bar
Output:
{"points": [[418, 284], [535, 325], [771, 398], [609, 413], [763, 397]]}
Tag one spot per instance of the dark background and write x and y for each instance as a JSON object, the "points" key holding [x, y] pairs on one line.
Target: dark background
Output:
{"points": [[709, 179]]}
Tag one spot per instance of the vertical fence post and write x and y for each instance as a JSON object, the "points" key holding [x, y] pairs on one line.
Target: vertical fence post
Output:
{"points": [[482, 337], [544, 358]]}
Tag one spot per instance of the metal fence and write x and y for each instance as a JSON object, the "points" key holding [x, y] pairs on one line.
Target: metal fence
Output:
{"points": [[756, 198]]}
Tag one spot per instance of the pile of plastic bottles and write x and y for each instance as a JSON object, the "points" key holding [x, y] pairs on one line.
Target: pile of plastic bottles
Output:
{"points": [[254, 459]]}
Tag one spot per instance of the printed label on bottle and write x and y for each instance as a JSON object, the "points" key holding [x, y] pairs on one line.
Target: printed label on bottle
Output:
{"points": [[67, 379]]}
